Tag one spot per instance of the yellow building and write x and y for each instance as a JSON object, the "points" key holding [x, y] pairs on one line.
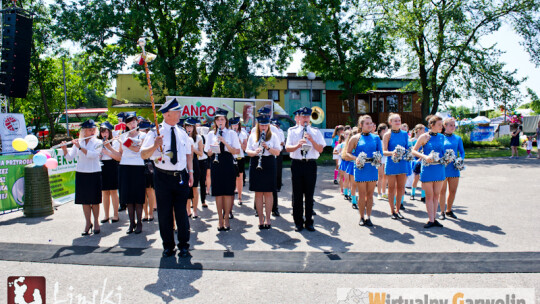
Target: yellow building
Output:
{"points": [[129, 88], [274, 88]]}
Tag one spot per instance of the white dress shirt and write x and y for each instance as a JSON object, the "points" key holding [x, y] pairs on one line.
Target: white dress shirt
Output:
{"points": [[253, 143], [241, 137], [132, 158], [281, 138], [183, 147], [295, 134], [230, 137], [89, 162], [200, 138], [115, 145]]}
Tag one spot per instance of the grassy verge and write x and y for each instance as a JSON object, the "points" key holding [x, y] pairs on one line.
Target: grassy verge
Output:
{"points": [[482, 152]]}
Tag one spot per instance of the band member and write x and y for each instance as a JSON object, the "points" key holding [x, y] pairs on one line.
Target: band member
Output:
{"points": [[221, 144], [235, 125], [203, 164], [263, 147], [150, 197], [198, 151], [396, 172], [338, 130], [432, 175], [279, 166], [121, 125], [173, 175], [418, 130], [304, 143], [109, 172], [365, 177], [382, 182], [454, 142], [87, 174]]}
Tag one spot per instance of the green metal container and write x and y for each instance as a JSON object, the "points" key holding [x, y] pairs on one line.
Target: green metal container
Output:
{"points": [[37, 192]]}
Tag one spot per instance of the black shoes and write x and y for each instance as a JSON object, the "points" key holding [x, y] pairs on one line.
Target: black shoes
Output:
{"points": [[442, 216], [139, 228], [423, 199], [355, 206], [231, 216], [429, 225], [168, 252], [122, 208], [401, 207], [183, 253], [104, 221], [336, 182], [115, 221], [369, 223], [451, 214], [394, 216], [362, 222], [310, 228], [399, 215], [276, 213], [89, 231], [224, 228], [239, 203], [299, 228], [130, 229], [437, 224], [314, 213]]}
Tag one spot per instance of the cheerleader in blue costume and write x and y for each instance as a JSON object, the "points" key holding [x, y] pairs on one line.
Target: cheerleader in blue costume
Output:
{"points": [[350, 171], [454, 142], [396, 172], [433, 175], [365, 178], [344, 166]]}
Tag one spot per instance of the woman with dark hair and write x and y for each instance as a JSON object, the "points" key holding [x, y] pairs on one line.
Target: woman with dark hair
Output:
{"points": [[262, 179], [203, 164], [131, 177], [150, 197], [87, 174], [197, 148], [432, 174], [514, 142], [221, 144], [109, 172], [236, 126]]}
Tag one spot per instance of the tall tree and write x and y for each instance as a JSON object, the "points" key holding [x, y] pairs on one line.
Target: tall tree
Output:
{"points": [[443, 43], [341, 44]]}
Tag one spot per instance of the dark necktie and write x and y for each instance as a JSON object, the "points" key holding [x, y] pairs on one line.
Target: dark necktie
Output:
{"points": [[174, 158], [221, 144]]}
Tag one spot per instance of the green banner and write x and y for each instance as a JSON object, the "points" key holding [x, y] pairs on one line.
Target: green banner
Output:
{"points": [[12, 180], [62, 178]]}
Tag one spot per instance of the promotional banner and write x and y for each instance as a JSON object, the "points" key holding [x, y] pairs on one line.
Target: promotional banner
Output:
{"points": [[12, 180], [327, 133], [62, 179], [11, 126], [483, 133]]}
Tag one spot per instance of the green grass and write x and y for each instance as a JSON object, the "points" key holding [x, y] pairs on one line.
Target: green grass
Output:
{"points": [[483, 152]]}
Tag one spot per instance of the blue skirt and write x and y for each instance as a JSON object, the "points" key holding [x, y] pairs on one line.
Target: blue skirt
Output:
{"points": [[451, 171], [350, 168], [432, 173], [367, 174], [393, 168], [343, 165]]}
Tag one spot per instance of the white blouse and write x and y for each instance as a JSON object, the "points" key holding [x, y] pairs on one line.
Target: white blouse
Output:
{"points": [[115, 145], [230, 137], [133, 158], [89, 162], [273, 143]]}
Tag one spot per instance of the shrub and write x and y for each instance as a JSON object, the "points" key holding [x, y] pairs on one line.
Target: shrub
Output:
{"points": [[504, 140]]}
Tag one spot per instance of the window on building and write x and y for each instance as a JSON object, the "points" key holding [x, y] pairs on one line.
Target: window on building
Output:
{"points": [[363, 106], [393, 103], [294, 94], [374, 105], [407, 103], [345, 106], [317, 95], [381, 104], [273, 94]]}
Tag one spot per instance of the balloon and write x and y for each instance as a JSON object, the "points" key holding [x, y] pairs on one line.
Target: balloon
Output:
{"points": [[19, 144], [51, 163], [46, 153], [32, 141], [40, 159]]}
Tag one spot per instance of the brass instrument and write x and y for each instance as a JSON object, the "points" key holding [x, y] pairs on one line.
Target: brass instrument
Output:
{"points": [[261, 140], [317, 115]]}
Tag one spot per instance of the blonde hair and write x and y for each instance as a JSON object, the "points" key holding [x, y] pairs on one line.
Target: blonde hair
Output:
{"points": [[447, 120], [346, 145], [391, 116], [258, 133], [362, 119]]}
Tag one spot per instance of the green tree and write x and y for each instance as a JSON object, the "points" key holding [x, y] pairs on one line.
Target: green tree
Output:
{"points": [[442, 39], [341, 44], [535, 100]]}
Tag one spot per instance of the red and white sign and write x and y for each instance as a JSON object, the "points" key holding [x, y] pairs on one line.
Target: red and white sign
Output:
{"points": [[11, 126]]}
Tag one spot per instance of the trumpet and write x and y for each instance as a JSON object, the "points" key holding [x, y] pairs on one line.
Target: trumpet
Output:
{"points": [[216, 155], [261, 140], [71, 142]]}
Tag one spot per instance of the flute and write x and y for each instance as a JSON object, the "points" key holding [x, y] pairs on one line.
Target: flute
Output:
{"points": [[70, 142], [117, 137]]}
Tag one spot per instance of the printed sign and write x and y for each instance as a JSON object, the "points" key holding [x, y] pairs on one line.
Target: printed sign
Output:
{"points": [[483, 133], [62, 179], [12, 180], [11, 126]]}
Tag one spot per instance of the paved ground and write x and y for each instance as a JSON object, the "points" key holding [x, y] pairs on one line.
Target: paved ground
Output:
{"points": [[496, 205]]}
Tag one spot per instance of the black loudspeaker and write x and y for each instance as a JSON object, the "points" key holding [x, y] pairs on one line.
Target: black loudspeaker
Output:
{"points": [[16, 47]]}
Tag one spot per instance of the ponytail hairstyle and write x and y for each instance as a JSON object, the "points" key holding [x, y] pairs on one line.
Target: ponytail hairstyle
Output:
{"points": [[337, 129], [348, 136], [382, 127], [432, 119]]}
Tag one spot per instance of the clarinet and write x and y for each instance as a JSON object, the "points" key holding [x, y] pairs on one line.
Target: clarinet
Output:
{"points": [[216, 155], [304, 132], [261, 140]]}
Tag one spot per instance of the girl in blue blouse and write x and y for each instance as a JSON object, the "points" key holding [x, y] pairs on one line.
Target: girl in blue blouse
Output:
{"points": [[432, 176], [396, 172], [454, 142], [365, 178]]}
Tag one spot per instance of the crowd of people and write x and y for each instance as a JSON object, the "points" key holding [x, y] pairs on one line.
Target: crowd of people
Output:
{"points": [[170, 168]]}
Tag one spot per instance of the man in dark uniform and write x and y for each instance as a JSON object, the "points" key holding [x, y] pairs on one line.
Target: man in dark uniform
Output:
{"points": [[279, 166], [304, 143], [173, 176]]}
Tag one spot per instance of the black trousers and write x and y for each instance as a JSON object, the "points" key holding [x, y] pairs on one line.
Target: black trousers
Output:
{"points": [[279, 182], [304, 178], [171, 195], [203, 166]]}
